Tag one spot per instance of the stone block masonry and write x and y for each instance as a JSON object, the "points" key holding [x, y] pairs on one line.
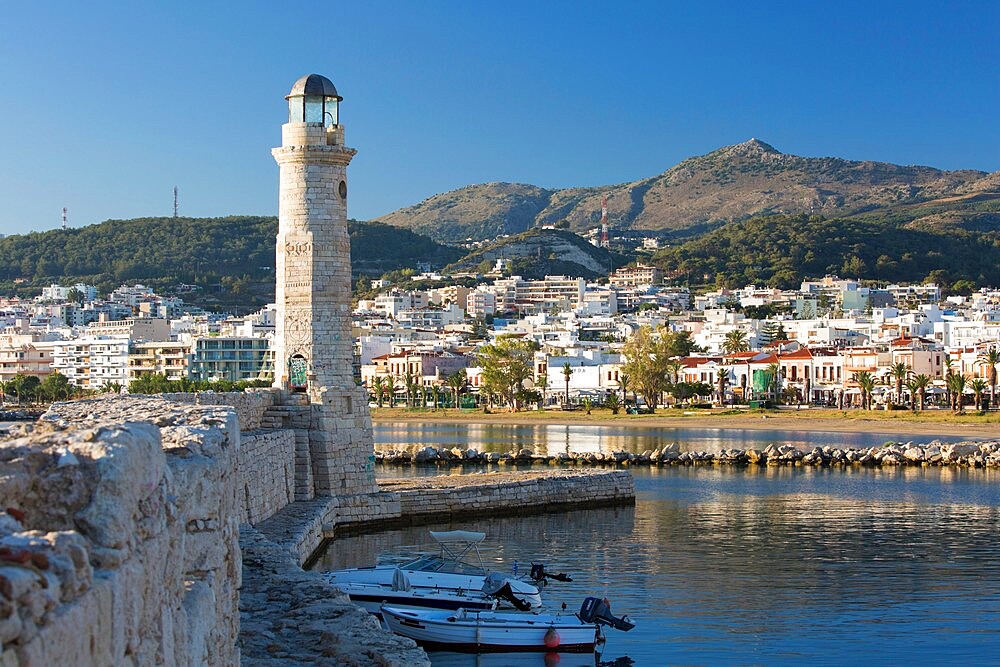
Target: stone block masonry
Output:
{"points": [[431, 499], [119, 544]]}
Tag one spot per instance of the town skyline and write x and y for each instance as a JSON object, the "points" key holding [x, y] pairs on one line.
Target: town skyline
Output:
{"points": [[155, 98]]}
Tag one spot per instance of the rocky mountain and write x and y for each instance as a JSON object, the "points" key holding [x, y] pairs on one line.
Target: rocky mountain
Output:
{"points": [[540, 252], [732, 183]]}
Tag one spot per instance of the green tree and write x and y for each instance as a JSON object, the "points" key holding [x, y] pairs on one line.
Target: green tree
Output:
{"points": [[378, 389], [505, 365], [456, 382], [55, 387], [567, 372], [410, 383], [623, 381], [956, 388], [646, 356], [866, 383], [979, 387], [390, 389], [918, 385], [990, 359], [612, 403], [736, 341], [899, 372], [542, 383]]}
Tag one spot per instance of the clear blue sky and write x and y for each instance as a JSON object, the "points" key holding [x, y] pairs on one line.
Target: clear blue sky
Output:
{"points": [[107, 106]]}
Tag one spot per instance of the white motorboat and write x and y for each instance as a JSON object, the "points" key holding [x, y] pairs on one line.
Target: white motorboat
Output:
{"points": [[485, 631], [373, 596], [448, 575]]}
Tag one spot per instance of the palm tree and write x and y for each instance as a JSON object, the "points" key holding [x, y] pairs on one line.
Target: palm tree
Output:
{"points": [[918, 386], [611, 402], [722, 380], [456, 382], [390, 389], [866, 382], [899, 372], [410, 384], [774, 381], [567, 374], [991, 358], [378, 389], [674, 368], [956, 388], [979, 387], [624, 379], [736, 341], [949, 370], [543, 384]]}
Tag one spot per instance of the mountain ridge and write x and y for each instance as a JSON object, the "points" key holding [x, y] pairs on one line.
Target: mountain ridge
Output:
{"points": [[731, 183]]}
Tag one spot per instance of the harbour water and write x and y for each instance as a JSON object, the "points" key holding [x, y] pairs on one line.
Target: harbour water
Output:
{"points": [[764, 566], [551, 439]]}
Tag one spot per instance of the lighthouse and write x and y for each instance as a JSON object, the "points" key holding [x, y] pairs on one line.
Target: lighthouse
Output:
{"points": [[313, 345]]}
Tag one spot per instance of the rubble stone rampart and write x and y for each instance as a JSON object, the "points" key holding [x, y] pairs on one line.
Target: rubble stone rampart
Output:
{"points": [[249, 405], [119, 538]]}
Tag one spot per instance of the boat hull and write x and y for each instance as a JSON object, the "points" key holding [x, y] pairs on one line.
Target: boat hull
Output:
{"points": [[372, 598], [428, 581], [482, 632]]}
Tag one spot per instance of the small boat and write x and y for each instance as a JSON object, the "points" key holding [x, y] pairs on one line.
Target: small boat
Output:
{"points": [[402, 595], [488, 631], [445, 575]]}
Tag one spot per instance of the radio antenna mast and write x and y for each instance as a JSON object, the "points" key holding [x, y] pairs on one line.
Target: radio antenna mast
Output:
{"points": [[64, 218], [175, 201]]}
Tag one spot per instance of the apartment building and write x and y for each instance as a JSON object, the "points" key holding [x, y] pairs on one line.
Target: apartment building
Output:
{"points": [[169, 358], [231, 358], [92, 361]]}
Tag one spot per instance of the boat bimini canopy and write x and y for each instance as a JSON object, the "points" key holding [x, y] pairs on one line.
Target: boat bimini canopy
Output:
{"points": [[457, 544]]}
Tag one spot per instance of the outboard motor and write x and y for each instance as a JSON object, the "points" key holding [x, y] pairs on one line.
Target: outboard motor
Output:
{"points": [[595, 610], [498, 586], [539, 574]]}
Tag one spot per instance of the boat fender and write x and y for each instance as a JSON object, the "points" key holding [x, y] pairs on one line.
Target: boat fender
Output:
{"points": [[552, 638]]}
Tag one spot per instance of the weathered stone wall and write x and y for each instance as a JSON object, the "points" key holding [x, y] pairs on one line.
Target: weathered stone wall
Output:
{"points": [[453, 496], [266, 467], [249, 405], [120, 541]]}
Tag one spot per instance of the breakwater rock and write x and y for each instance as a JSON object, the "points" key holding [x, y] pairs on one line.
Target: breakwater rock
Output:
{"points": [[935, 453]]}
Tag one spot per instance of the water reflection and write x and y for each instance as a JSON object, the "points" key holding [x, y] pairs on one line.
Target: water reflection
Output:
{"points": [[552, 439], [774, 565]]}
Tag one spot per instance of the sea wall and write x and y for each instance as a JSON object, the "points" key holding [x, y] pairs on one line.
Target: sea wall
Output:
{"points": [[979, 454], [426, 499], [119, 544]]}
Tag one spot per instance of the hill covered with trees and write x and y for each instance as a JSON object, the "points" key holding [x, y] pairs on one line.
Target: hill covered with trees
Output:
{"points": [[230, 259], [781, 251]]}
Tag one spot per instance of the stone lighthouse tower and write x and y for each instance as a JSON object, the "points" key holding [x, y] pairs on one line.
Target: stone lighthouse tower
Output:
{"points": [[314, 346]]}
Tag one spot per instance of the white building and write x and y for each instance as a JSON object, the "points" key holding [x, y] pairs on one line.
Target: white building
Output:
{"points": [[90, 362]]}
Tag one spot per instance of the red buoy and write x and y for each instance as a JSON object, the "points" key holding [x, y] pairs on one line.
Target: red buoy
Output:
{"points": [[552, 638]]}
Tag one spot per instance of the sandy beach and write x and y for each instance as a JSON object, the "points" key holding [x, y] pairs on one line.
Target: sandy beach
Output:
{"points": [[937, 422]]}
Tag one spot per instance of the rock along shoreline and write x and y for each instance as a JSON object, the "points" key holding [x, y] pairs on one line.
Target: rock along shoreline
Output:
{"points": [[979, 454]]}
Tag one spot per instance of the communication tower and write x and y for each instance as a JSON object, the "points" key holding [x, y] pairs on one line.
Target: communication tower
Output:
{"points": [[64, 217], [175, 201]]}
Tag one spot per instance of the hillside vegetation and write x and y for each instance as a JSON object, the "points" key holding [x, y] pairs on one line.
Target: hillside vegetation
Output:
{"points": [[781, 251], [540, 252], [702, 193], [231, 259]]}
